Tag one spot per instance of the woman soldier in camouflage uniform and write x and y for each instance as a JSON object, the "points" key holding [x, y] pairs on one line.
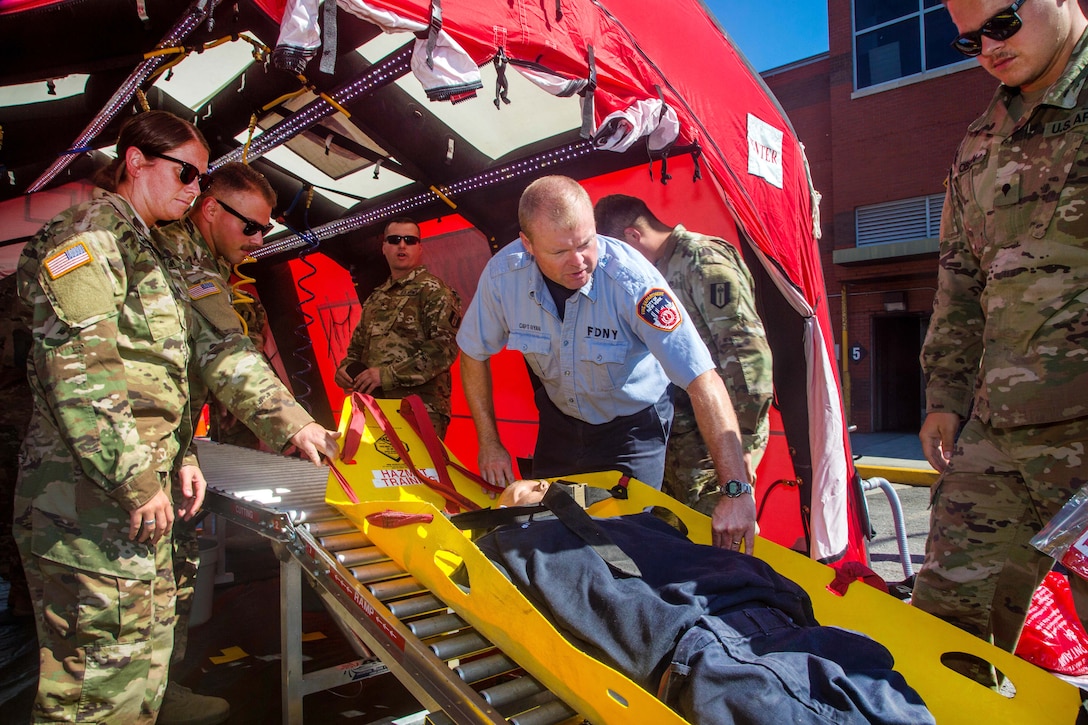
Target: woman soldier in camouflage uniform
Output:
{"points": [[108, 373]]}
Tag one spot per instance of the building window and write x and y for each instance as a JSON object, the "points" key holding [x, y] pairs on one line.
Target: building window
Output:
{"points": [[905, 220], [895, 39]]}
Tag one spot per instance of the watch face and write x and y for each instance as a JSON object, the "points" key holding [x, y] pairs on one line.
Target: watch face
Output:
{"points": [[735, 488]]}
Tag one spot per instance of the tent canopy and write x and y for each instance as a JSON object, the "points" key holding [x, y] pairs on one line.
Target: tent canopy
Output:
{"points": [[445, 112]]}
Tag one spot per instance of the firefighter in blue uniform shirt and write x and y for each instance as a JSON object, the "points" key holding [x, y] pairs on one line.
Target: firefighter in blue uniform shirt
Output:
{"points": [[604, 334]]}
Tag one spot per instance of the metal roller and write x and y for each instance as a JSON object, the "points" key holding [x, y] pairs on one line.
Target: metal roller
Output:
{"points": [[339, 542], [395, 588], [459, 645], [438, 624], [507, 692], [376, 572], [485, 667], [549, 713], [358, 557], [328, 527], [413, 606]]}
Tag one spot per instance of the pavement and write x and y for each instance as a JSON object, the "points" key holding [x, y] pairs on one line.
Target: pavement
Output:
{"points": [[898, 475]]}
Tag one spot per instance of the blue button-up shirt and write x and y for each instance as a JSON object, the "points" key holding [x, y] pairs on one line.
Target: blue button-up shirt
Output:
{"points": [[622, 338]]}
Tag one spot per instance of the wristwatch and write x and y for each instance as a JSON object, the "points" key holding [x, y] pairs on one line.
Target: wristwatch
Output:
{"points": [[734, 488]]}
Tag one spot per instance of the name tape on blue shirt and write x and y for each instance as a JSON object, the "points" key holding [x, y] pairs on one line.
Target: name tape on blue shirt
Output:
{"points": [[68, 259], [202, 290], [658, 309]]}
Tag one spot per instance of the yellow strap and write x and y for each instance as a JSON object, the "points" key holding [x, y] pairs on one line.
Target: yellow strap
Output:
{"points": [[240, 296]]}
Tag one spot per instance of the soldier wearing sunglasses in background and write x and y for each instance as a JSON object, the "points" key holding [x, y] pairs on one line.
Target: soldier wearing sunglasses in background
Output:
{"points": [[1007, 348], [406, 339]]}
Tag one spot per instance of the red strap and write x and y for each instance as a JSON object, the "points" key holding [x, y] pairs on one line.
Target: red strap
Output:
{"points": [[354, 433], [852, 571], [343, 483], [390, 519], [415, 412], [362, 404]]}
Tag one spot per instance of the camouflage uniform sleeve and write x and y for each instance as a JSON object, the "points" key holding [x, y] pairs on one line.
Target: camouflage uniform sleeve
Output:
{"points": [[189, 458], [440, 318], [198, 395], [953, 346], [725, 300], [356, 351], [78, 369], [236, 374], [254, 315]]}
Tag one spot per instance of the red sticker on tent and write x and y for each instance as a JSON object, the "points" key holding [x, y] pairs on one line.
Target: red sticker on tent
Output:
{"points": [[658, 309]]}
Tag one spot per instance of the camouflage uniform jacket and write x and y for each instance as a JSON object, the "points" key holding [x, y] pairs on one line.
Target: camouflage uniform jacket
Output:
{"points": [[408, 329], [108, 373], [716, 289], [1010, 317], [252, 313], [225, 362]]}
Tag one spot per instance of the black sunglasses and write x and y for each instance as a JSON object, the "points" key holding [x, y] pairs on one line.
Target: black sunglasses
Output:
{"points": [[188, 173], [251, 227], [410, 239], [1001, 26]]}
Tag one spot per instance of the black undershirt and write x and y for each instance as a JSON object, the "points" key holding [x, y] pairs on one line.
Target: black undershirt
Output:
{"points": [[560, 295]]}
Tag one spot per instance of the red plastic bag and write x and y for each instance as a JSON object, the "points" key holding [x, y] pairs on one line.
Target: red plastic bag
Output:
{"points": [[1053, 636]]}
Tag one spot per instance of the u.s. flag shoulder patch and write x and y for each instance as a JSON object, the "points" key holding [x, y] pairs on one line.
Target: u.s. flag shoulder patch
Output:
{"points": [[68, 259], [658, 309], [207, 288]]}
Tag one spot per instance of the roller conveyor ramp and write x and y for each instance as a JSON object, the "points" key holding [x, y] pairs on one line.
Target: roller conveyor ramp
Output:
{"points": [[450, 668], [379, 549]]}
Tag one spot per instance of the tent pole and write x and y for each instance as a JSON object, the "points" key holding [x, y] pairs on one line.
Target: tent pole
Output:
{"points": [[491, 177], [379, 75], [199, 10]]}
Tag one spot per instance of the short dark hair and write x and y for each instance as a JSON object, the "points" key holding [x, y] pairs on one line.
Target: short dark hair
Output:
{"points": [[153, 132], [616, 212], [239, 178], [400, 220]]}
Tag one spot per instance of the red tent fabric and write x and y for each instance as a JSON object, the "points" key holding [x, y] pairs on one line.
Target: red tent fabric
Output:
{"points": [[668, 77], [678, 55]]}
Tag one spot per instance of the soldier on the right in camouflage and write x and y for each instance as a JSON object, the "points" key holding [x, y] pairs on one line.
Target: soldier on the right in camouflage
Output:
{"points": [[1007, 347], [715, 287]]}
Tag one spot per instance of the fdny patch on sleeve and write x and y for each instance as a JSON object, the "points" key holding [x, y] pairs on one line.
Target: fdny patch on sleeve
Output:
{"points": [[658, 309], [68, 259], [203, 289]]}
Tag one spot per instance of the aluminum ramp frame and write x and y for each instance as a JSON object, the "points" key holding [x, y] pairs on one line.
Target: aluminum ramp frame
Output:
{"points": [[451, 669]]}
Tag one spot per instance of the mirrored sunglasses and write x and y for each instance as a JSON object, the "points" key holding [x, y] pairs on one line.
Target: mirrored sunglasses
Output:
{"points": [[188, 173], [251, 227], [395, 239], [1001, 26]]}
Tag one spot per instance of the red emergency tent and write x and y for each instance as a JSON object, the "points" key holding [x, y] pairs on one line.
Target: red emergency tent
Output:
{"points": [[445, 111]]}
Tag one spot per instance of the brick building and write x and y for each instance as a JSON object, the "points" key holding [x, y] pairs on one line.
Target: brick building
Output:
{"points": [[881, 115]]}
